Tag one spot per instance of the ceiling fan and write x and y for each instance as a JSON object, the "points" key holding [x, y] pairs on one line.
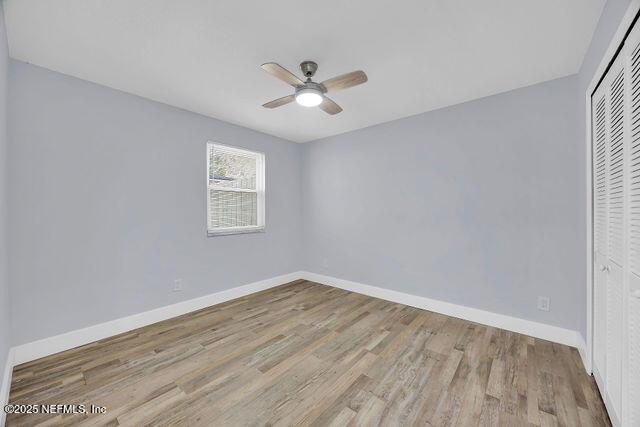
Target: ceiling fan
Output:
{"points": [[310, 93]]}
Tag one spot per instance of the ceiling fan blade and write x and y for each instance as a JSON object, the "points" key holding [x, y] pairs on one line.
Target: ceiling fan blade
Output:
{"points": [[279, 102], [282, 73], [344, 81], [328, 106]]}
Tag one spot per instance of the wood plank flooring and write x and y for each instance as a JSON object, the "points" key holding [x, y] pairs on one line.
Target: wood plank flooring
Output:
{"points": [[308, 354]]}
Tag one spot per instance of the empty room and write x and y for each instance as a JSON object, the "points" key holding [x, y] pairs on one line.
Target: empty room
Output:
{"points": [[341, 213]]}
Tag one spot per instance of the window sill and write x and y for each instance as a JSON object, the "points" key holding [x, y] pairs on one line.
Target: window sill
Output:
{"points": [[229, 232]]}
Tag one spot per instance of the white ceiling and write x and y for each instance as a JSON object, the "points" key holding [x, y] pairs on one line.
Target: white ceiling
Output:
{"points": [[205, 55]]}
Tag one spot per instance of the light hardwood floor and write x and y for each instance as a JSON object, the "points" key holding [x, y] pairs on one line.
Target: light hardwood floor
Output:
{"points": [[304, 353]]}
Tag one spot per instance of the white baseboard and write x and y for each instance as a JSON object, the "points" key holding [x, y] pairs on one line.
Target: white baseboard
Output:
{"points": [[514, 324], [48, 346], [6, 385]]}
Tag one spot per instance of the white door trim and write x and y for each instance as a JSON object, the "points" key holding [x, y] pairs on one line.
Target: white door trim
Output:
{"points": [[617, 39]]}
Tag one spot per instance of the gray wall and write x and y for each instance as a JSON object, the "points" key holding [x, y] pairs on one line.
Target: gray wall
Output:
{"points": [[608, 24], [506, 226], [4, 210], [480, 204], [108, 201], [474, 204]]}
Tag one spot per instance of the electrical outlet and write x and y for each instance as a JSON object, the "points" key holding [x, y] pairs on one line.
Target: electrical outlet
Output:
{"points": [[177, 285], [543, 303], [325, 262]]}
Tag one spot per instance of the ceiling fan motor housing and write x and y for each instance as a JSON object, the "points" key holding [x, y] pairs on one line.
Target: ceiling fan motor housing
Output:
{"points": [[308, 68], [312, 86]]}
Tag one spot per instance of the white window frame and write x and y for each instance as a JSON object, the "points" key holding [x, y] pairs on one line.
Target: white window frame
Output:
{"points": [[260, 191]]}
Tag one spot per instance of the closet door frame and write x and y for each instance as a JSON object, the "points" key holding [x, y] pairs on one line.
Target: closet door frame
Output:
{"points": [[600, 100], [630, 412]]}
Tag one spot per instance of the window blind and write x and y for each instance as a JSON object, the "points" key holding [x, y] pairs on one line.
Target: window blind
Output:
{"points": [[235, 189]]}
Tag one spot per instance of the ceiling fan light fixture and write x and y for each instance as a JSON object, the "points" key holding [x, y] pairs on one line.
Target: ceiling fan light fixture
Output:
{"points": [[309, 97]]}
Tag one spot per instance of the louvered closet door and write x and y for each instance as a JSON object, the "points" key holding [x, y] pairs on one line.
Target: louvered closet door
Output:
{"points": [[600, 231], [610, 118], [616, 98], [616, 232]]}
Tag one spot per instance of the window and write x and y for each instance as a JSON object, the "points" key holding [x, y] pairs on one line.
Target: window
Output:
{"points": [[235, 190]]}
